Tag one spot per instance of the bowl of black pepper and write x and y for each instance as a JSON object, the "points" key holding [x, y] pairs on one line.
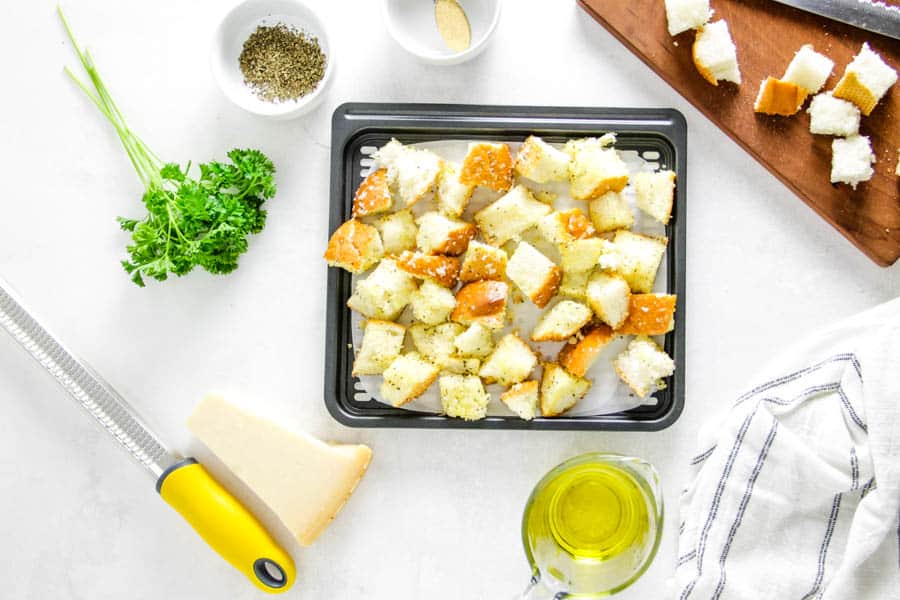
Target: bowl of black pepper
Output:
{"points": [[271, 58]]}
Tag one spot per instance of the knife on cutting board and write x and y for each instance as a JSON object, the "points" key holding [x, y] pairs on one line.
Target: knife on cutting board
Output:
{"points": [[871, 15], [220, 519]]}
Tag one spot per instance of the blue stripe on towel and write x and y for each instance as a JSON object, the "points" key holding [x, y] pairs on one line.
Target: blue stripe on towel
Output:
{"points": [[854, 470], [797, 374], [817, 590], [702, 456]]}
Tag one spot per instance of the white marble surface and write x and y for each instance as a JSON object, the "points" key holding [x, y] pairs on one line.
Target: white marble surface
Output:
{"points": [[437, 516]]}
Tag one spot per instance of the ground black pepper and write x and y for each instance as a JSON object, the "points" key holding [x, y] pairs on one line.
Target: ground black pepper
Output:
{"points": [[281, 63]]}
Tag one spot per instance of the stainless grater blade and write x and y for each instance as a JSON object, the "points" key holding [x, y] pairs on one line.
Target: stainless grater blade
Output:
{"points": [[86, 387]]}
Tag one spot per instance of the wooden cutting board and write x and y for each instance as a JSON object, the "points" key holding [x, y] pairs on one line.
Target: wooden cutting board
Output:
{"points": [[767, 34]]}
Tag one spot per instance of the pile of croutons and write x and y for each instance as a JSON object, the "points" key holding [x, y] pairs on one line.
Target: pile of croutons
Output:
{"points": [[454, 282]]}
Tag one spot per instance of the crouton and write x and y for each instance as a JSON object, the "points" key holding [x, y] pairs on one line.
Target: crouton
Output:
{"points": [[463, 397], [682, 15], [583, 255], [440, 235], [436, 343], [610, 212], [640, 256], [477, 341], [574, 284], [511, 361], [715, 54], [642, 365], [482, 261], [381, 344], [398, 232], [595, 168], [407, 378], [443, 270], [866, 80], [432, 303], [373, 195], [561, 322], [533, 273], [808, 69], [354, 246], [609, 298], [510, 215], [577, 358], [411, 171], [565, 226], [461, 365], [522, 399], [832, 116], [649, 314], [482, 302], [777, 97], [655, 194], [452, 195], [384, 293], [489, 165], [540, 162], [851, 160], [560, 390]]}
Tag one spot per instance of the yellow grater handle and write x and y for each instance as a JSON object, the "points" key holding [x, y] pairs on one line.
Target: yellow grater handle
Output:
{"points": [[227, 526]]}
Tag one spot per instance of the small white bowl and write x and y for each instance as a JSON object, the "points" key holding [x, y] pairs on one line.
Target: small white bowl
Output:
{"points": [[411, 24], [229, 40]]}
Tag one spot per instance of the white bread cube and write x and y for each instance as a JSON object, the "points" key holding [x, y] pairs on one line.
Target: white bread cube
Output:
{"points": [[482, 302], [441, 235], [610, 212], [809, 69], [432, 303], [461, 366], [436, 343], [832, 116], [452, 195], [682, 15], [564, 226], [511, 361], [777, 97], [609, 297], [560, 390], [540, 162], [715, 54], [412, 172], [407, 378], [533, 273], [642, 365], [522, 399], [510, 215], [582, 255], [650, 314], [851, 160], [577, 358], [373, 195], [443, 270], [655, 193], [561, 322], [482, 261], [398, 232], [488, 164], [384, 293], [463, 397], [640, 258], [595, 168], [574, 285], [381, 344], [477, 342], [354, 246], [866, 80]]}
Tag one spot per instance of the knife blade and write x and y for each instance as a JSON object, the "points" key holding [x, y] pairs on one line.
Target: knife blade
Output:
{"points": [[870, 15]]}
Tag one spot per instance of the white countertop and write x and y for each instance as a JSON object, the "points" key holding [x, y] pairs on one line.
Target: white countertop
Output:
{"points": [[437, 515]]}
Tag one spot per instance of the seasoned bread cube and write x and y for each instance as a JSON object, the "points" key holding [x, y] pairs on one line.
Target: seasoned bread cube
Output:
{"points": [[373, 195], [574, 284], [809, 69], [640, 256], [866, 80], [511, 361], [436, 343], [488, 164], [649, 314], [407, 378], [510, 215], [461, 366], [381, 344], [482, 261], [477, 341], [411, 171], [354, 246], [540, 162], [440, 235], [583, 255], [443, 270], [432, 303], [452, 195], [577, 358], [642, 365], [482, 302], [398, 231], [522, 399], [832, 116], [610, 212], [384, 293], [561, 322], [533, 273], [560, 390], [682, 15], [463, 397], [609, 297], [715, 54], [777, 97], [851, 160], [562, 227], [655, 193], [595, 168]]}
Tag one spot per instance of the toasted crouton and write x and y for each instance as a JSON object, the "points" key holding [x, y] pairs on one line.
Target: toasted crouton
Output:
{"points": [[432, 303], [715, 54], [489, 165], [482, 261], [851, 160], [354, 246], [562, 227], [540, 162], [574, 284], [642, 365], [560, 390], [832, 116], [533, 273], [384, 293], [373, 195], [407, 378], [398, 232], [609, 298], [809, 69], [641, 256], [595, 168], [655, 194], [411, 171], [463, 397], [440, 235], [682, 15], [381, 344], [561, 322], [436, 343], [477, 341], [510, 215], [649, 314], [511, 361], [522, 399], [482, 302], [577, 358], [583, 255], [452, 195], [777, 97], [866, 80], [443, 270]]}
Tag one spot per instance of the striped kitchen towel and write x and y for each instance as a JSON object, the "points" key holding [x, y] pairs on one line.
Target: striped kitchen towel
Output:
{"points": [[795, 492]]}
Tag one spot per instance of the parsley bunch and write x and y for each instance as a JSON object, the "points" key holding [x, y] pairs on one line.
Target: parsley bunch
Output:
{"points": [[189, 222]]}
